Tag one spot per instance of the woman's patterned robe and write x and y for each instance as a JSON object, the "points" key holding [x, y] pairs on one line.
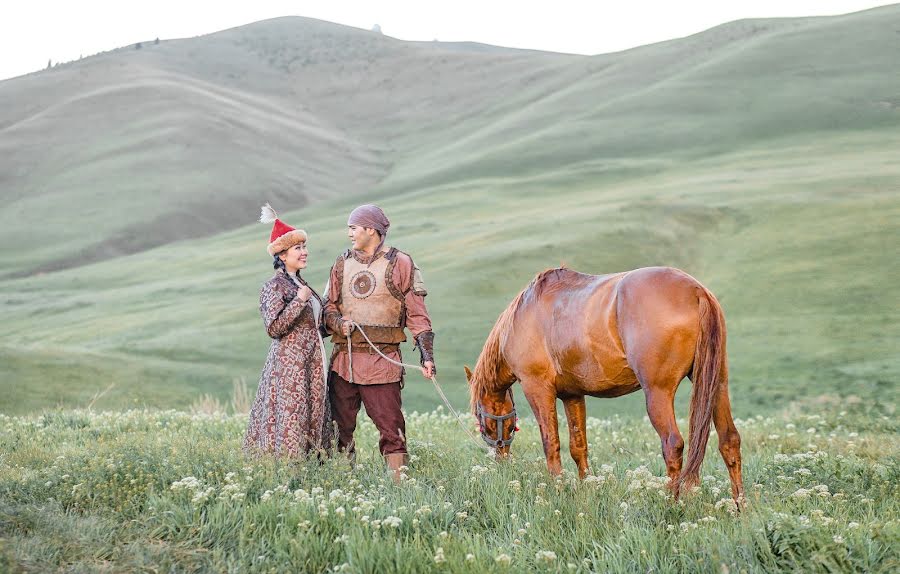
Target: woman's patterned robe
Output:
{"points": [[291, 415]]}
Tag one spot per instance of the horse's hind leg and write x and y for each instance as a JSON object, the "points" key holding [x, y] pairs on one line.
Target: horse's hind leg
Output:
{"points": [[575, 413], [729, 441], [661, 409]]}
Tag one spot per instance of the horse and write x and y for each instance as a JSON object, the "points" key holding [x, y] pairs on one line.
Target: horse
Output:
{"points": [[569, 334]]}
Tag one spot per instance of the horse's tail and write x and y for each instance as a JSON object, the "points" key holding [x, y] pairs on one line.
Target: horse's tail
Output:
{"points": [[709, 373]]}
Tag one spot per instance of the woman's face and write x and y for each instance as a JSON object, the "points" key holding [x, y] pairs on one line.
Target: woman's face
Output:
{"points": [[295, 257]]}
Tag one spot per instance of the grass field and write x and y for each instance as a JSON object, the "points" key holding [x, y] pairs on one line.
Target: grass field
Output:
{"points": [[134, 491]]}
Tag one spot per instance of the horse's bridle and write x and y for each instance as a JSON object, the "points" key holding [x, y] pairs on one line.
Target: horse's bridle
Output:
{"points": [[481, 414]]}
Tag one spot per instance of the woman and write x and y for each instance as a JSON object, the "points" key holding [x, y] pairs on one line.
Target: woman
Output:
{"points": [[291, 414]]}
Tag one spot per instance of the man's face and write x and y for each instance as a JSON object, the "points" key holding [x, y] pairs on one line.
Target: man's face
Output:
{"points": [[362, 237]]}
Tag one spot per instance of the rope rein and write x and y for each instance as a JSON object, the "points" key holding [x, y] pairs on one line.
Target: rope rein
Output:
{"points": [[440, 391]]}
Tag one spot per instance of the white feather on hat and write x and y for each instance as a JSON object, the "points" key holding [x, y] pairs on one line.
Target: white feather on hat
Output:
{"points": [[268, 214]]}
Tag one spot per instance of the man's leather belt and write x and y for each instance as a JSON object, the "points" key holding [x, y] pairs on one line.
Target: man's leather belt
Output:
{"points": [[366, 348]]}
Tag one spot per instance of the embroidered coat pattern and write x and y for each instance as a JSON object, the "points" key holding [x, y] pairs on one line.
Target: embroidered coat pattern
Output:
{"points": [[291, 415]]}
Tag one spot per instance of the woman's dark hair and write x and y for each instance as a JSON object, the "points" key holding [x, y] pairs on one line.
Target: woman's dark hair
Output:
{"points": [[277, 263]]}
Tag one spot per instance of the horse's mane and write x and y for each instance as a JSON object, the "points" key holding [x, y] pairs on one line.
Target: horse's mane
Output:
{"points": [[488, 369]]}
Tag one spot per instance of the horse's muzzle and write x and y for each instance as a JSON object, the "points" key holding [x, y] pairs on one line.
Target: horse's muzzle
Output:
{"points": [[499, 441]]}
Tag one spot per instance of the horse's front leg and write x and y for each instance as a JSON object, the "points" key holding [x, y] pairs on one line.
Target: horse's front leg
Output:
{"points": [[578, 447], [543, 404]]}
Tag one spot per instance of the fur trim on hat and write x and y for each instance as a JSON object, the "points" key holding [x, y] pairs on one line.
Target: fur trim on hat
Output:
{"points": [[287, 241]]}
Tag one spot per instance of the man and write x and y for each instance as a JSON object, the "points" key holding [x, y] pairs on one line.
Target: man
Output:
{"points": [[380, 289]]}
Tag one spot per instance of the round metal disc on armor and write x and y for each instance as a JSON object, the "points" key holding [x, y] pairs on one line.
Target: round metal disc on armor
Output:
{"points": [[363, 284]]}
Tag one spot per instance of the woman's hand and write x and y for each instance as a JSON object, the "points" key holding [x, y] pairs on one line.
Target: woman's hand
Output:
{"points": [[304, 293], [346, 326]]}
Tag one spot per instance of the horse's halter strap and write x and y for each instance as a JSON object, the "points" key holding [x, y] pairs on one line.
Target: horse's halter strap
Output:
{"points": [[500, 419]]}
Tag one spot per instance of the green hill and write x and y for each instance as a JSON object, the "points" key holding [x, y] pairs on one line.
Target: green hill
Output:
{"points": [[759, 156]]}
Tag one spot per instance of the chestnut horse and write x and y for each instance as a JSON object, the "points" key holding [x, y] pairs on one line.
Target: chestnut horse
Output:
{"points": [[569, 334]]}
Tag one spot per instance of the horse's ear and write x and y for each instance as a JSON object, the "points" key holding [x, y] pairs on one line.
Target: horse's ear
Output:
{"points": [[468, 373]]}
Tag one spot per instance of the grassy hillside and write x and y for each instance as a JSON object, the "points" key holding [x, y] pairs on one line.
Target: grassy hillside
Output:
{"points": [[758, 156]]}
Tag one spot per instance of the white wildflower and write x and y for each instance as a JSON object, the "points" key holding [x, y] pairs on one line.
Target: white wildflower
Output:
{"points": [[801, 493], [547, 556], [439, 556], [728, 504], [503, 559], [201, 496]]}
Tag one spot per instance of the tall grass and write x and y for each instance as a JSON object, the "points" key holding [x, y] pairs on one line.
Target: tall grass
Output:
{"points": [[166, 490]]}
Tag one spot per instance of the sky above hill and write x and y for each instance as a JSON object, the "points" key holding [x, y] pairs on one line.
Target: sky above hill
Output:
{"points": [[33, 32]]}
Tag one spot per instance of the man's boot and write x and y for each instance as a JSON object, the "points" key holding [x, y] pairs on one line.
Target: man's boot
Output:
{"points": [[394, 462]]}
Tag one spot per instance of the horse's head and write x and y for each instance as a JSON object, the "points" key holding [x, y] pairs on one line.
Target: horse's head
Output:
{"points": [[496, 414]]}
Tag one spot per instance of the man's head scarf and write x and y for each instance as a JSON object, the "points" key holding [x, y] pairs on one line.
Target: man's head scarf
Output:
{"points": [[370, 216]]}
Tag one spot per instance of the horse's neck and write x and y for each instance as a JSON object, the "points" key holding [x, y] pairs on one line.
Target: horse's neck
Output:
{"points": [[504, 375]]}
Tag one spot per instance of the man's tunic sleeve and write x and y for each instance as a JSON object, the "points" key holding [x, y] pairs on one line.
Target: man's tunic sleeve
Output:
{"points": [[417, 320], [332, 313]]}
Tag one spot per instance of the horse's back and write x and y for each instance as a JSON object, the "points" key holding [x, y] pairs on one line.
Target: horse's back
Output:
{"points": [[658, 321], [602, 334], [565, 331]]}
